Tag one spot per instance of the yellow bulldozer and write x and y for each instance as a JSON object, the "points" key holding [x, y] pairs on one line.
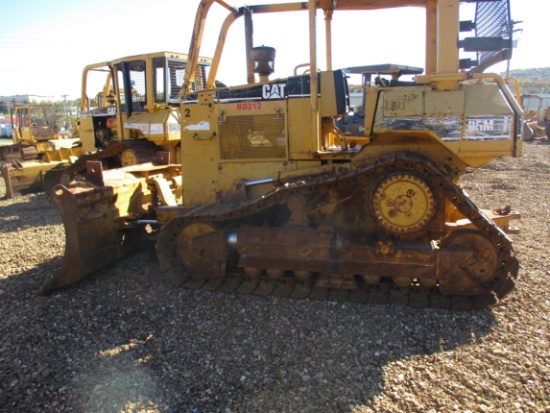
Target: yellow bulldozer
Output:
{"points": [[110, 129], [134, 118], [271, 192], [37, 146]]}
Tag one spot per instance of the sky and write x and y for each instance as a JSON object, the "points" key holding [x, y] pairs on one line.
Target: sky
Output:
{"points": [[44, 45]]}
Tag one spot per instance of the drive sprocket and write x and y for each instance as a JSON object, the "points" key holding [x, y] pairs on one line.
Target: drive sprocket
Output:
{"points": [[403, 203]]}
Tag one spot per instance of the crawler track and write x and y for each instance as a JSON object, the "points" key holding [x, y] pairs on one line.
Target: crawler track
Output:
{"points": [[384, 291]]}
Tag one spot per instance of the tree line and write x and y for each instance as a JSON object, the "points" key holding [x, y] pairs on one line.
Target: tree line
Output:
{"points": [[533, 81]]}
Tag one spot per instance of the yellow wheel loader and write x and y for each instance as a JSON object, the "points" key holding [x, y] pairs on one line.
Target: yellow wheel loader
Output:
{"points": [[278, 193], [37, 146]]}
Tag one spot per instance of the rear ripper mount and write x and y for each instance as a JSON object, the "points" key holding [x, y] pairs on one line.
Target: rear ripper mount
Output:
{"points": [[268, 246]]}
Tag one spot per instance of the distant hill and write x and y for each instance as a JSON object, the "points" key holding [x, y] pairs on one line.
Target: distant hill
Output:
{"points": [[533, 80]]}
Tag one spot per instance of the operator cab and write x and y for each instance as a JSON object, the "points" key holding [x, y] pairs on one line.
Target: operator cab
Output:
{"points": [[385, 75]]}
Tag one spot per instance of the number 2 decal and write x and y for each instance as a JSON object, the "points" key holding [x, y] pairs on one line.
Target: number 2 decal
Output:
{"points": [[187, 113]]}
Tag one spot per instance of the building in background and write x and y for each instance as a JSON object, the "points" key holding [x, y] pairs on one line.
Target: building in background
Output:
{"points": [[5, 127]]}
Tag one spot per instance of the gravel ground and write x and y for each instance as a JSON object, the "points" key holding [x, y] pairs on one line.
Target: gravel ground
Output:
{"points": [[124, 341]]}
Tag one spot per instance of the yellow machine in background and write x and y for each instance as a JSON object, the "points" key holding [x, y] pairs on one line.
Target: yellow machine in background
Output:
{"points": [[134, 119], [281, 195], [37, 147], [32, 127], [116, 131], [536, 120]]}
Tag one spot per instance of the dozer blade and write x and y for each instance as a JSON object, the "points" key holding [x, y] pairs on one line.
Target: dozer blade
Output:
{"points": [[94, 237], [6, 190], [22, 177], [65, 172]]}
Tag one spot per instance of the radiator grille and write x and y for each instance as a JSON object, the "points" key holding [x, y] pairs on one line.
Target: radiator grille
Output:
{"points": [[253, 137]]}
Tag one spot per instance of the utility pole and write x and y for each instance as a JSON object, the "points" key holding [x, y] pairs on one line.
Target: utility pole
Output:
{"points": [[67, 122]]}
